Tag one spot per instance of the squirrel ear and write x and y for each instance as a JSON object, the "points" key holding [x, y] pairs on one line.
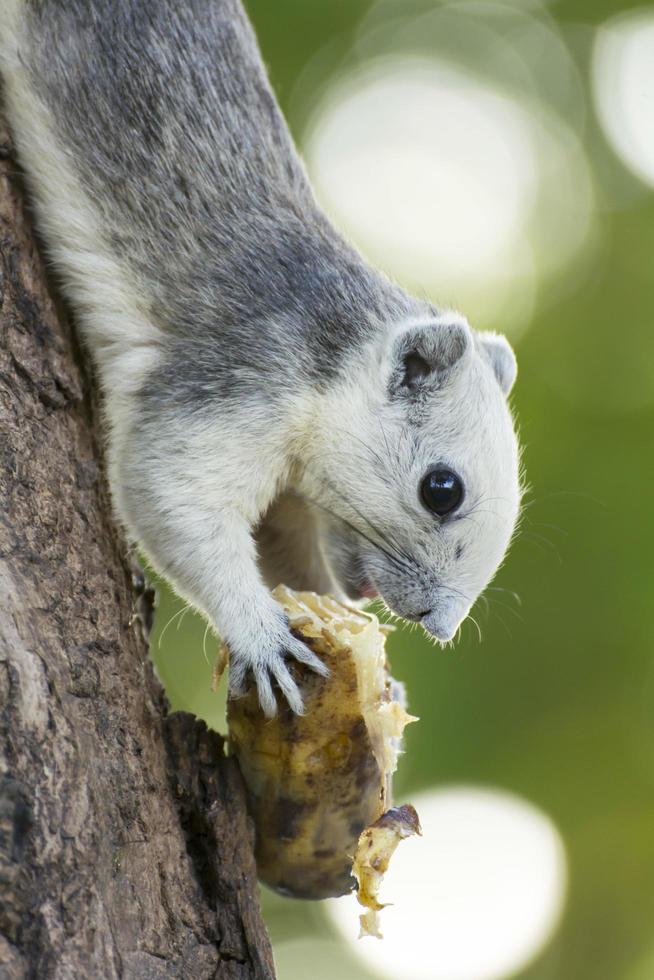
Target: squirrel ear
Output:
{"points": [[499, 354], [429, 351]]}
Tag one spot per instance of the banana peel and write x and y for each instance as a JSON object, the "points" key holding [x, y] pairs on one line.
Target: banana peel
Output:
{"points": [[375, 849]]}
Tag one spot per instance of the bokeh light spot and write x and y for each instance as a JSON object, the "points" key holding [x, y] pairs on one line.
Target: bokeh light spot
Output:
{"points": [[401, 154], [476, 898], [447, 182], [623, 85], [429, 172]]}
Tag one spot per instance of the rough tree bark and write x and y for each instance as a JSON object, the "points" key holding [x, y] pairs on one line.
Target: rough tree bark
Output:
{"points": [[125, 847]]}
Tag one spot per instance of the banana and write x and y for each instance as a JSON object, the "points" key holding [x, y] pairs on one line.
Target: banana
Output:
{"points": [[316, 781]]}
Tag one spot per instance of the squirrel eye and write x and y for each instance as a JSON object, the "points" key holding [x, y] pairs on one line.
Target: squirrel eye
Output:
{"points": [[441, 491]]}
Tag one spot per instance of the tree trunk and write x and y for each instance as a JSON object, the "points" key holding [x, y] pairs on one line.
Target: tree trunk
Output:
{"points": [[125, 846]]}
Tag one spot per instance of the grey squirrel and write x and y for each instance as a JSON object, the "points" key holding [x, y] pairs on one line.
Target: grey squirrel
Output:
{"points": [[276, 410]]}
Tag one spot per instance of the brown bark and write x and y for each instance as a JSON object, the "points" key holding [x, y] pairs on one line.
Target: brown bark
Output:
{"points": [[125, 848]]}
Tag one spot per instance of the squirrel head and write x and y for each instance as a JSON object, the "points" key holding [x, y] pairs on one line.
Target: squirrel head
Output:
{"points": [[418, 473]]}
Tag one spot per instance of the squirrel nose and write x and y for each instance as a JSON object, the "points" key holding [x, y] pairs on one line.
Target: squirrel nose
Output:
{"points": [[442, 625]]}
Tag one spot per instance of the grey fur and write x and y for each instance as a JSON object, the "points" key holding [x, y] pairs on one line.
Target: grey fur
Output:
{"points": [[272, 402], [172, 126]]}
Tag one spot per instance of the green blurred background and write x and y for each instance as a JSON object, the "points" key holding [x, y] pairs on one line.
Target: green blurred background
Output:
{"points": [[556, 704]]}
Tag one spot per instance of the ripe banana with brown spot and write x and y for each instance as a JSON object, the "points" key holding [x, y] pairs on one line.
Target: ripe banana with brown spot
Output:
{"points": [[317, 781]]}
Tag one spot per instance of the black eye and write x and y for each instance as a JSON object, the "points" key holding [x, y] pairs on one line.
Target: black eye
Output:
{"points": [[441, 491]]}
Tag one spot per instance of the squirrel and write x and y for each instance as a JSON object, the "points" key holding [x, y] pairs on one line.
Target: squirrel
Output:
{"points": [[276, 409]]}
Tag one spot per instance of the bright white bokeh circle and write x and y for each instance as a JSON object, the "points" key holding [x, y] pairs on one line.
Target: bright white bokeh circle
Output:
{"points": [[431, 169], [477, 897], [454, 187], [623, 88]]}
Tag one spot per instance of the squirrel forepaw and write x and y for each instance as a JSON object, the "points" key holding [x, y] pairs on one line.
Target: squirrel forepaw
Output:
{"points": [[269, 667]]}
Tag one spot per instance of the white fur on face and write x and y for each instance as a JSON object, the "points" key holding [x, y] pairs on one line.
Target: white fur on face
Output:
{"points": [[371, 455]]}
